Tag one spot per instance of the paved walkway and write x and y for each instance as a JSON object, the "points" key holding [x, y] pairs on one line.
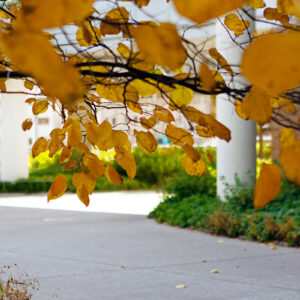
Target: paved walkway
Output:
{"points": [[118, 256]]}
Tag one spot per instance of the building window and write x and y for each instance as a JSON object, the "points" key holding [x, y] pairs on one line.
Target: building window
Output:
{"points": [[43, 121]]}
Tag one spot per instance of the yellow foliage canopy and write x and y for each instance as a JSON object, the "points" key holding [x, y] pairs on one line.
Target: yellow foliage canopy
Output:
{"points": [[43, 63]]}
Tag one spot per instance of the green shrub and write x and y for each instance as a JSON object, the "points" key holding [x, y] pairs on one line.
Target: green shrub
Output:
{"points": [[193, 203], [157, 167], [189, 212]]}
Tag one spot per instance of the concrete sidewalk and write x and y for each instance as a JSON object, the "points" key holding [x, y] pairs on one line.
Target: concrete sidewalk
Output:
{"points": [[110, 256]]}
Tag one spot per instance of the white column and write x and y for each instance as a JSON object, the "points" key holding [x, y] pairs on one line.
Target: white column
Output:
{"points": [[239, 155], [14, 141]]}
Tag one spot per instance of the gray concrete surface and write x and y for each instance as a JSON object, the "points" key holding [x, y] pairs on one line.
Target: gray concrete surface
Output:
{"points": [[81, 255]]}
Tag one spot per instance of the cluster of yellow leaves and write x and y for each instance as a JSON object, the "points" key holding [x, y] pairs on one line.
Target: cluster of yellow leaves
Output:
{"points": [[208, 125], [42, 63], [30, 51], [234, 23], [273, 14], [289, 7], [101, 136]]}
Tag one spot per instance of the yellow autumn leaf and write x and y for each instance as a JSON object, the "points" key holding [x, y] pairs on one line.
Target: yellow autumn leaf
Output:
{"points": [[135, 107], [289, 158], [204, 132], [271, 74], [180, 96], [207, 80], [289, 7], [204, 10], [28, 84], [74, 134], [123, 50], [256, 105], [30, 100], [113, 20], [58, 187], [39, 146], [239, 110], [215, 54], [162, 114], [112, 175], [27, 124], [219, 130], [273, 14], [93, 132], [120, 140], [83, 195], [256, 3], [39, 107], [148, 123], [65, 155], [163, 45], [287, 137], [191, 152], [71, 165], [234, 23], [178, 136], [127, 162], [57, 134], [284, 104], [94, 164], [55, 143], [117, 93], [82, 148], [208, 121], [145, 87], [83, 179], [94, 98], [99, 135], [197, 168], [43, 64], [146, 141], [267, 185], [42, 14], [139, 3], [87, 35]]}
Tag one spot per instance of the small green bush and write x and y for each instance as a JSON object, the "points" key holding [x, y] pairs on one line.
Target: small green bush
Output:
{"points": [[192, 202]]}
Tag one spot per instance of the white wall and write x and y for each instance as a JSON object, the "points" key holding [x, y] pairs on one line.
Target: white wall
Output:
{"points": [[13, 140]]}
